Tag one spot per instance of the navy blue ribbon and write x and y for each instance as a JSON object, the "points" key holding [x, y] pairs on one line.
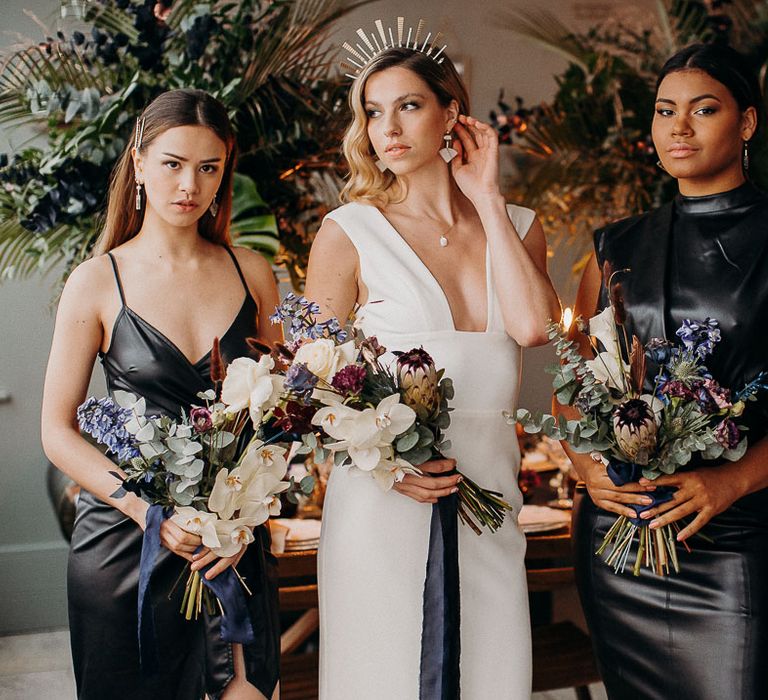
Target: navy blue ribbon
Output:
{"points": [[621, 473], [440, 634], [150, 548], [235, 621]]}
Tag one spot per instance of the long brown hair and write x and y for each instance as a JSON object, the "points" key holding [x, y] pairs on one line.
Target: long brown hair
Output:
{"points": [[366, 183], [171, 109]]}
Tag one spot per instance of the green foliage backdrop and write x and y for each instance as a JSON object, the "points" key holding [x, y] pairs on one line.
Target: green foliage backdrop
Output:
{"points": [[587, 157], [267, 61]]}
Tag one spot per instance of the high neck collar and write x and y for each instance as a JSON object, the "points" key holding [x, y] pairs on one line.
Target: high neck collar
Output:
{"points": [[721, 201]]}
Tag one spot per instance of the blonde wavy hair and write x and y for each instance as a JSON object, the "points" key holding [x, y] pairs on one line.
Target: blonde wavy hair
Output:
{"points": [[366, 183]]}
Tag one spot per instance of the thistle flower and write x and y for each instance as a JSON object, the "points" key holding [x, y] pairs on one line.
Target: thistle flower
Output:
{"points": [[635, 427], [418, 382]]}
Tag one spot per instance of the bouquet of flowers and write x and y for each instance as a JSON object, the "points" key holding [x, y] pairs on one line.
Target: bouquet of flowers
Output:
{"points": [[639, 425], [196, 468], [373, 418]]}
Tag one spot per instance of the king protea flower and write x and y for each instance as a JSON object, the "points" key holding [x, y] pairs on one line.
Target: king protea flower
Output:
{"points": [[418, 382], [635, 426]]}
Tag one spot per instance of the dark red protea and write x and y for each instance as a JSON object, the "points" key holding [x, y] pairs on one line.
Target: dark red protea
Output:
{"points": [[418, 382], [349, 380]]}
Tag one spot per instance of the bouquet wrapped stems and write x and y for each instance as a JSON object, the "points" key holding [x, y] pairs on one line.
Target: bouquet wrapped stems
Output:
{"points": [[656, 549], [479, 504]]}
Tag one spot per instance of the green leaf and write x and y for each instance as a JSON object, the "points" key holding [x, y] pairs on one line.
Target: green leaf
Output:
{"points": [[307, 484], [407, 442]]}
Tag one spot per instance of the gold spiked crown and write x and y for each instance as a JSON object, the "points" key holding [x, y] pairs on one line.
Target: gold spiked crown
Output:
{"points": [[361, 55]]}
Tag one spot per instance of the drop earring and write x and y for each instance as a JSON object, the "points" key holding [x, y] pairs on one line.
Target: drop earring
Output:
{"points": [[381, 165], [214, 208], [660, 165], [447, 152], [745, 157], [138, 196]]}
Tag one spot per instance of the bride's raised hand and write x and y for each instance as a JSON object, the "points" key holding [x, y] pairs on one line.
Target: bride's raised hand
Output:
{"points": [[476, 167]]}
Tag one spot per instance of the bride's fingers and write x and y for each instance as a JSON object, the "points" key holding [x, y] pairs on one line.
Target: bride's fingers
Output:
{"points": [[476, 128], [465, 137]]}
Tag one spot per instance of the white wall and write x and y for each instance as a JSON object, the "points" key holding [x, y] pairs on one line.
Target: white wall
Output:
{"points": [[32, 553]]}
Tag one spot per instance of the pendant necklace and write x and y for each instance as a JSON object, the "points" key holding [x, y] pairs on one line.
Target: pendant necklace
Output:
{"points": [[444, 236]]}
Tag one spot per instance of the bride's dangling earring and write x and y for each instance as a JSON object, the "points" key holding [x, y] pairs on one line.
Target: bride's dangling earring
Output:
{"points": [[214, 208], [447, 152], [138, 196]]}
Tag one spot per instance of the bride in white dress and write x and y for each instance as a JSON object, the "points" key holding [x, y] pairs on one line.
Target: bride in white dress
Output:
{"points": [[435, 259]]}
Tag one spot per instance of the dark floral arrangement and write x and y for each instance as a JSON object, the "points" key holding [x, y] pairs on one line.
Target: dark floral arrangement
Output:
{"points": [[645, 411], [587, 156], [268, 62]]}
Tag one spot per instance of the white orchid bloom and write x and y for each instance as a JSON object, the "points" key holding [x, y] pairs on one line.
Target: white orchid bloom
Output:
{"points": [[233, 536], [197, 522], [391, 472], [250, 385], [333, 419], [393, 417], [608, 370], [366, 435], [261, 458], [603, 328], [257, 511], [226, 492]]}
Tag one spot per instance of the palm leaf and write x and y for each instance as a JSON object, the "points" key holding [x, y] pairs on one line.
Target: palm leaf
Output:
{"points": [[545, 29]]}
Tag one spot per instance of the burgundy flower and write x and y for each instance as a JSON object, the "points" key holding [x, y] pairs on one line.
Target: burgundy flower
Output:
{"points": [[201, 419], [721, 396], [677, 389], [295, 418], [349, 380], [727, 434]]}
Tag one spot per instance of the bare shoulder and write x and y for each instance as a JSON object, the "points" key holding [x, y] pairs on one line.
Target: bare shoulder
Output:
{"points": [[90, 283], [332, 243], [258, 273]]}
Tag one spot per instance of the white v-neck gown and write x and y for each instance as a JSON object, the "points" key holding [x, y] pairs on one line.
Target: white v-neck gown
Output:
{"points": [[373, 548]]}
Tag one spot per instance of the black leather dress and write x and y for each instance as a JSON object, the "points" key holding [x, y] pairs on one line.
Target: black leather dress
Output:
{"points": [[103, 571], [701, 634]]}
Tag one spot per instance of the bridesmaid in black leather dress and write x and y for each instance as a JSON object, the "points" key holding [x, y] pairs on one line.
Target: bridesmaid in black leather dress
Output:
{"points": [[701, 634], [149, 309]]}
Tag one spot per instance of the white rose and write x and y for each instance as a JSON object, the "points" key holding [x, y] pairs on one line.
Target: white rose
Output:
{"points": [[324, 358], [249, 384]]}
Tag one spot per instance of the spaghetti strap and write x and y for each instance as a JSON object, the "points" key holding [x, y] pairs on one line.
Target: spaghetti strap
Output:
{"points": [[117, 277], [237, 267]]}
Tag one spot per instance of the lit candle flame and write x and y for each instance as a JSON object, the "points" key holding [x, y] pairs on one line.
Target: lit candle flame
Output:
{"points": [[567, 317]]}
